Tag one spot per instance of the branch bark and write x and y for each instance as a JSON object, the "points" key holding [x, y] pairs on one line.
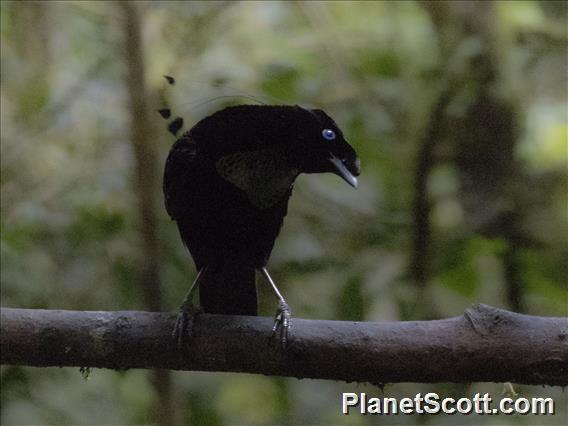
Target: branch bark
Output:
{"points": [[485, 344]]}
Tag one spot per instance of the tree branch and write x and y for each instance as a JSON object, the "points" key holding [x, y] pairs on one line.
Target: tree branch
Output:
{"points": [[485, 344]]}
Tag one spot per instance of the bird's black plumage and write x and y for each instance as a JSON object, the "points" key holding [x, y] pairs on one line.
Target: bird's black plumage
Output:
{"points": [[227, 182]]}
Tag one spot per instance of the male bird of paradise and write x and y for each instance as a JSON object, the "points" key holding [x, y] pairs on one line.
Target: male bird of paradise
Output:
{"points": [[227, 182]]}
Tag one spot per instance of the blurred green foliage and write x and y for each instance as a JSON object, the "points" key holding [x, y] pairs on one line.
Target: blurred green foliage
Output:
{"points": [[68, 213]]}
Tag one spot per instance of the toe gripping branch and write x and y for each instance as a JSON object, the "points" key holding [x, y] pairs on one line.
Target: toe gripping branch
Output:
{"points": [[283, 318], [181, 333]]}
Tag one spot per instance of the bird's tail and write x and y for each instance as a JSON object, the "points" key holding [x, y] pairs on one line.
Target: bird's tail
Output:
{"points": [[229, 289]]}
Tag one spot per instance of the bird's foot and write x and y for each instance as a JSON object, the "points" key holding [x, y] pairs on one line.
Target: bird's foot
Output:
{"points": [[183, 326], [282, 322]]}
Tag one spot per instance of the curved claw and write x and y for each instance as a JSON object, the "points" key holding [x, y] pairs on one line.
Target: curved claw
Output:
{"points": [[184, 322], [181, 333], [282, 322]]}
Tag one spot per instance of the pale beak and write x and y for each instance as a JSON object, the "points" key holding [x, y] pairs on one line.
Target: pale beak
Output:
{"points": [[342, 171]]}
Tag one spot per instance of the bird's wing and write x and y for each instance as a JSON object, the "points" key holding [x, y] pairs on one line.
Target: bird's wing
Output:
{"points": [[262, 174]]}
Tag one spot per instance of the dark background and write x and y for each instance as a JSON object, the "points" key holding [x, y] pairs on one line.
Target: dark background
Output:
{"points": [[457, 110]]}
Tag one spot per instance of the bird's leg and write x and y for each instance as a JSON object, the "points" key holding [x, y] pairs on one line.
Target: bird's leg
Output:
{"points": [[283, 318], [186, 313]]}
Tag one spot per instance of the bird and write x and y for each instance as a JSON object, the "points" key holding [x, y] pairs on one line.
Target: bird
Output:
{"points": [[227, 182]]}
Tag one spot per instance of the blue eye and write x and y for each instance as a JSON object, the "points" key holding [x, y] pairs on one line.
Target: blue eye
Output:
{"points": [[328, 134]]}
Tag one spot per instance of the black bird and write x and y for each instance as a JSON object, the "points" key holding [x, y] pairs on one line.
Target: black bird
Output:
{"points": [[226, 184]]}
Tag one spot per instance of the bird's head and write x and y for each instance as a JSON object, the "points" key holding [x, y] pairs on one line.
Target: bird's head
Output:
{"points": [[323, 148]]}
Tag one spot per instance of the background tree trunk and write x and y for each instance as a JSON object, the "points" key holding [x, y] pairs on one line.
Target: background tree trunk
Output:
{"points": [[146, 179]]}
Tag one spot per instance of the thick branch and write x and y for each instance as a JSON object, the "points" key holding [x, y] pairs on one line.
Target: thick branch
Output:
{"points": [[486, 344]]}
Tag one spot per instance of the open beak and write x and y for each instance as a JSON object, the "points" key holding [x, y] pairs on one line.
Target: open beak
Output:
{"points": [[342, 171]]}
